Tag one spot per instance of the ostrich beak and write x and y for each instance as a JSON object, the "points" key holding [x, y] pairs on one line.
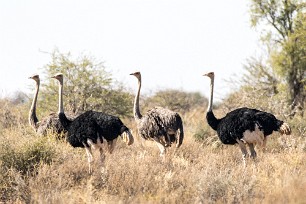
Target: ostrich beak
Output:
{"points": [[135, 73], [57, 75], [54, 77], [209, 74]]}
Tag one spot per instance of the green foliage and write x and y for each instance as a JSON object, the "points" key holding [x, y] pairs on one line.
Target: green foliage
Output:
{"points": [[176, 100], [87, 86], [279, 14], [294, 50], [284, 35], [21, 155], [27, 157], [201, 133], [290, 62], [204, 134]]}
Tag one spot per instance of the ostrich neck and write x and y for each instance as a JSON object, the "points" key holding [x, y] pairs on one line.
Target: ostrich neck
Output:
{"points": [[62, 117], [137, 114], [32, 114], [60, 101], [210, 102]]}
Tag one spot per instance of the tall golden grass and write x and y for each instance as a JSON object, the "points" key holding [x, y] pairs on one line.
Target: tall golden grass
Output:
{"points": [[35, 169]]}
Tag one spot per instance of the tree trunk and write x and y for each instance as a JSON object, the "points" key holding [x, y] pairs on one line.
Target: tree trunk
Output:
{"points": [[296, 88]]}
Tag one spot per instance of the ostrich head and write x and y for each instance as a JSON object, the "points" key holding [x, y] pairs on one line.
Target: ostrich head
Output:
{"points": [[35, 77], [59, 77], [137, 75], [210, 75]]}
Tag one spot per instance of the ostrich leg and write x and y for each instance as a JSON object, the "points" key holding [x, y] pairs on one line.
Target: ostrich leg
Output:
{"points": [[161, 147], [90, 158], [243, 150], [253, 152]]}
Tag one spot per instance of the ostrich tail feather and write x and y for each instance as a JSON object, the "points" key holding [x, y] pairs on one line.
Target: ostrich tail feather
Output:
{"points": [[127, 137], [285, 129]]}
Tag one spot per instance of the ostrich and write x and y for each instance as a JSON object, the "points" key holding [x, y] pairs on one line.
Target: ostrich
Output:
{"points": [[50, 122], [159, 124], [244, 125], [90, 128]]}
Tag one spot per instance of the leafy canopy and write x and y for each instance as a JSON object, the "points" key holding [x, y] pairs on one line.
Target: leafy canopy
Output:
{"points": [[283, 32], [87, 86]]}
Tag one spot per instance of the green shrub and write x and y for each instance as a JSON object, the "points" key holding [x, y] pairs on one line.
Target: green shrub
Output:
{"points": [[176, 100], [204, 134], [26, 158]]}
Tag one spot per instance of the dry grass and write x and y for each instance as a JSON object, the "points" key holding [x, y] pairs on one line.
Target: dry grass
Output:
{"points": [[37, 169], [195, 173]]}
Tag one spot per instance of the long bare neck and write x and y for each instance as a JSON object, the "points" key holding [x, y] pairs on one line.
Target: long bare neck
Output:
{"points": [[210, 102], [136, 110], [32, 114], [62, 117], [210, 117], [60, 98]]}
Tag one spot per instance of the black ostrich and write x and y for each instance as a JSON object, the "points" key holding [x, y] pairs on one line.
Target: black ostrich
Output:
{"points": [[49, 123], [244, 125], [90, 128]]}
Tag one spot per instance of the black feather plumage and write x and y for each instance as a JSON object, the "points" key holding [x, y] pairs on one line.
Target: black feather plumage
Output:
{"points": [[92, 125], [236, 122], [243, 125], [89, 129]]}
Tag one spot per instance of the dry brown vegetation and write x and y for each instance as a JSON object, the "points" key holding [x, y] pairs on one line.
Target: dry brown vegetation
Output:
{"points": [[45, 170]]}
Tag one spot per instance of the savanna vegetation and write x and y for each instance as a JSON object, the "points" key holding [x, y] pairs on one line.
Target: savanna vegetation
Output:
{"points": [[36, 169]]}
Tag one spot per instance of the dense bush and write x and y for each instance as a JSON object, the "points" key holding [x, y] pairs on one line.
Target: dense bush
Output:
{"points": [[176, 100], [21, 155], [27, 156], [12, 114]]}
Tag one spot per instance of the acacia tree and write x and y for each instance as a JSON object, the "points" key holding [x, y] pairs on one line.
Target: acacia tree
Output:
{"points": [[284, 34], [87, 86]]}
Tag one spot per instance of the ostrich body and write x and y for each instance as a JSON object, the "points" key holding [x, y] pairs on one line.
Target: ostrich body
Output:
{"points": [[244, 125], [90, 128], [159, 124], [50, 122]]}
